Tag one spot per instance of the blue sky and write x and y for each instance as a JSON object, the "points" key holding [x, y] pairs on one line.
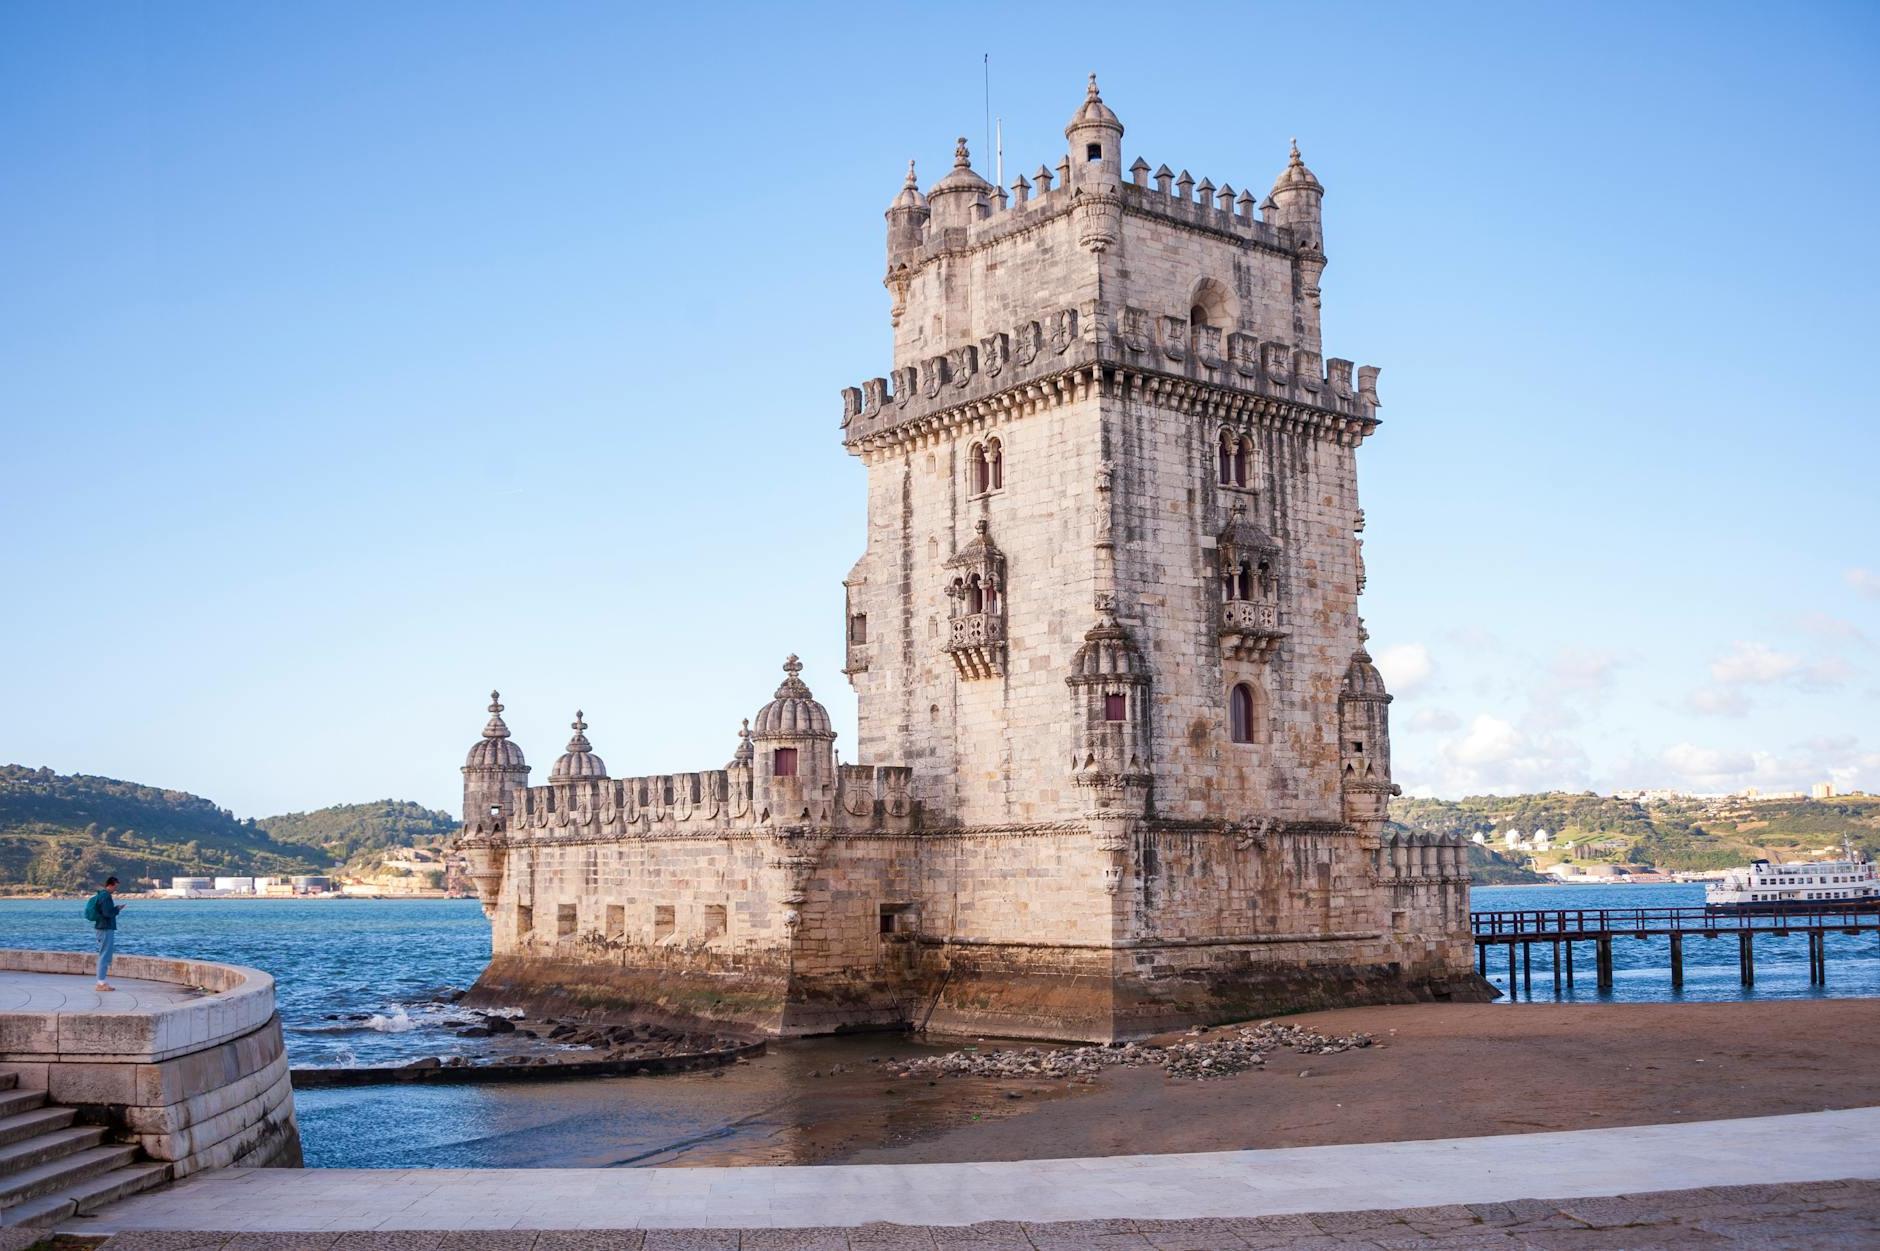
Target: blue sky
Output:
{"points": [[355, 359]]}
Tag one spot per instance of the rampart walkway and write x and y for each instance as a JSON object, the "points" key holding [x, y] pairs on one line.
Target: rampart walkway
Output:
{"points": [[1811, 1147]]}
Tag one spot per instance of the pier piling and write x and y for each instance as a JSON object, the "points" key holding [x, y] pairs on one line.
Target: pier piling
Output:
{"points": [[1602, 960], [1746, 957], [1677, 961], [1569, 964], [1556, 966]]}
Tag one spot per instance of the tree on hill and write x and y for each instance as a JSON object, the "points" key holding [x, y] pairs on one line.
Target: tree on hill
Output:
{"points": [[345, 830]]}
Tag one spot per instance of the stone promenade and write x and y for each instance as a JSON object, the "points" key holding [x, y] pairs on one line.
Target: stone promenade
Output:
{"points": [[1808, 1216]]}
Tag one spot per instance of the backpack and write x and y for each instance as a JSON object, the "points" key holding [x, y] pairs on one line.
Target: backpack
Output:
{"points": [[91, 910]]}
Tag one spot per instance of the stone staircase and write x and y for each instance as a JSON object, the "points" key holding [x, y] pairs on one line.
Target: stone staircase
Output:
{"points": [[52, 1168]]}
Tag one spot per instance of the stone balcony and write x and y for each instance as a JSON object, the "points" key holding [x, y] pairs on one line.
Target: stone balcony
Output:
{"points": [[1250, 629], [977, 644]]}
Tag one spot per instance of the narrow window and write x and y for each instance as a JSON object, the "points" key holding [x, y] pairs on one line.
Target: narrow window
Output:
{"points": [[616, 920], [564, 920], [1227, 460], [1240, 713], [1197, 318], [716, 922], [783, 763], [1093, 152], [1241, 449], [979, 476], [992, 598], [887, 918], [662, 922], [995, 465], [525, 918], [975, 595], [1357, 747], [1115, 707], [858, 627]]}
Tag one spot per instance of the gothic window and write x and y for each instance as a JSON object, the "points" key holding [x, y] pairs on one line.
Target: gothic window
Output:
{"points": [[1236, 459], [978, 470], [783, 763], [1240, 713], [1197, 318], [1116, 707], [975, 595]]}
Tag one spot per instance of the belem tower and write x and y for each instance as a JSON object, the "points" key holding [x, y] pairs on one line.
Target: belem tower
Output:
{"points": [[1127, 761]]}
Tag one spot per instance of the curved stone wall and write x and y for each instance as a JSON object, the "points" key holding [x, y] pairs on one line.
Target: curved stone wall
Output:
{"points": [[200, 1083]]}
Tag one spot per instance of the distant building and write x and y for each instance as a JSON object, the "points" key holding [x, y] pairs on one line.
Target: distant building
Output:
{"points": [[1821, 790], [312, 884], [236, 885], [191, 885]]}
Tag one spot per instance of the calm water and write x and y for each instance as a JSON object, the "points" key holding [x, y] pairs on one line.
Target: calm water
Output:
{"points": [[383, 968]]}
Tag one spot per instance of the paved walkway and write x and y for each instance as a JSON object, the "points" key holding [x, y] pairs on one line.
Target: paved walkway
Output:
{"points": [[66, 992], [1815, 1146], [1808, 1216]]}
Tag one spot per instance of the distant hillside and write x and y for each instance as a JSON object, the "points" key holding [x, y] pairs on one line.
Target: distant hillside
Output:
{"points": [[61, 832], [344, 830], [1687, 834], [1491, 868]]}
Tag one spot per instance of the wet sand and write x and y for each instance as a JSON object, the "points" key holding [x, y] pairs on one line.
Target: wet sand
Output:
{"points": [[1440, 1071]]}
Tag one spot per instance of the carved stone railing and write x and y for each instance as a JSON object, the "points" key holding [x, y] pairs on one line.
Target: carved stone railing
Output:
{"points": [[1249, 629], [977, 644]]}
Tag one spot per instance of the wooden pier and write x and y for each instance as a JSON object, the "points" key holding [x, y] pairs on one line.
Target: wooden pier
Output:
{"points": [[1561, 928]]}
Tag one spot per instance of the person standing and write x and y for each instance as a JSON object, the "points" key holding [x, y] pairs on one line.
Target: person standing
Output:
{"points": [[102, 911]]}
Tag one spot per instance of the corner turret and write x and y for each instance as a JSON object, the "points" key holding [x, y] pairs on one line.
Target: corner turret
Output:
{"points": [[960, 198], [1364, 746], [493, 774], [1096, 137], [907, 218], [793, 749]]}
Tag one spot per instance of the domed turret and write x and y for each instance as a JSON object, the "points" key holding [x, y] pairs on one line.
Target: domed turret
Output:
{"points": [[578, 763], [1364, 745], [1296, 199], [495, 750], [907, 216], [1096, 138], [793, 748], [960, 198], [1362, 680]]}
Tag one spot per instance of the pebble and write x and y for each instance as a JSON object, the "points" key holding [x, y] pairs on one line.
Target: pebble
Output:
{"points": [[1223, 1052]]}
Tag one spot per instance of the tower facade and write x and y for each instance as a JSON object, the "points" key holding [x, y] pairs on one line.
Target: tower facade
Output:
{"points": [[1134, 764]]}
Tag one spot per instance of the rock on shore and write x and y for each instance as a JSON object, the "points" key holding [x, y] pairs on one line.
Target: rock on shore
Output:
{"points": [[1199, 1055]]}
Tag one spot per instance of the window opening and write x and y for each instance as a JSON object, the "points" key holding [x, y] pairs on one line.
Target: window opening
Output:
{"points": [[564, 920], [1240, 713], [663, 924], [783, 763], [1093, 152], [1115, 707]]}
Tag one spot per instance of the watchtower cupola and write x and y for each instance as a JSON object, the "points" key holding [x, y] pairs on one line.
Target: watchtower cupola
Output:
{"points": [[1096, 137], [793, 750]]}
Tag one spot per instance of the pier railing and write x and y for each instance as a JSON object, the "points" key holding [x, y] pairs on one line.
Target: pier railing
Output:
{"points": [[1550, 923], [1562, 927]]}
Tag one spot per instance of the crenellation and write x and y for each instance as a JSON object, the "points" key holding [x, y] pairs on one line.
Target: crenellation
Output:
{"points": [[1105, 627]]}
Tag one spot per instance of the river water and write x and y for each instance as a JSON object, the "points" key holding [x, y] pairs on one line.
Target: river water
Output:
{"points": [[368, 982]]}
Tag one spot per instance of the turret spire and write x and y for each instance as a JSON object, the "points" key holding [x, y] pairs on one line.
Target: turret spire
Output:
{"points": [[496, 728]]}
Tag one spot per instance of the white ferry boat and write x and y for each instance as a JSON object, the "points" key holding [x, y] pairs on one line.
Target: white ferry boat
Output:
{"points": [[1810, 886]]}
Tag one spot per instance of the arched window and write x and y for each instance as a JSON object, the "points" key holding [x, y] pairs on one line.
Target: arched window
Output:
{"points": [[1243, 453], [978, 471], [1240, 713], [995, 465], [1227, 459], [992, 597], [975, 595], [1197, 318]]}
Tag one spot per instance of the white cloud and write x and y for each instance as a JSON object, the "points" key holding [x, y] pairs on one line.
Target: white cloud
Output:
{"points": [[1825, 675], [1497, 756], [1584, 669], [1434, 719], [1824, 626], [1405, 666], [1865, 581], [1708, 768], [1754, 663], [1717, 701]]}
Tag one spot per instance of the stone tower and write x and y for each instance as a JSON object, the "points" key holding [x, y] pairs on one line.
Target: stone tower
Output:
{"points": [[1129, 763], [1112, 495]]}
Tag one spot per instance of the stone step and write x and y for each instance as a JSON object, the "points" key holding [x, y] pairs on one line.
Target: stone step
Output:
{"points": [[87, 1196], [18, 1156], [16, 1101], [9, 1081], [56, 1175], [38, 1121]]}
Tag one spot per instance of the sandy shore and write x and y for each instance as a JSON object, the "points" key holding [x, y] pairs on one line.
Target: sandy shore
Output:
{"points": [[1441, 1071]]}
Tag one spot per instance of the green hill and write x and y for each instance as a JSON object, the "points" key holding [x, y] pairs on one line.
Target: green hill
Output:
{"points": [[63, 833], [345, 830], [1686, 834]]}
